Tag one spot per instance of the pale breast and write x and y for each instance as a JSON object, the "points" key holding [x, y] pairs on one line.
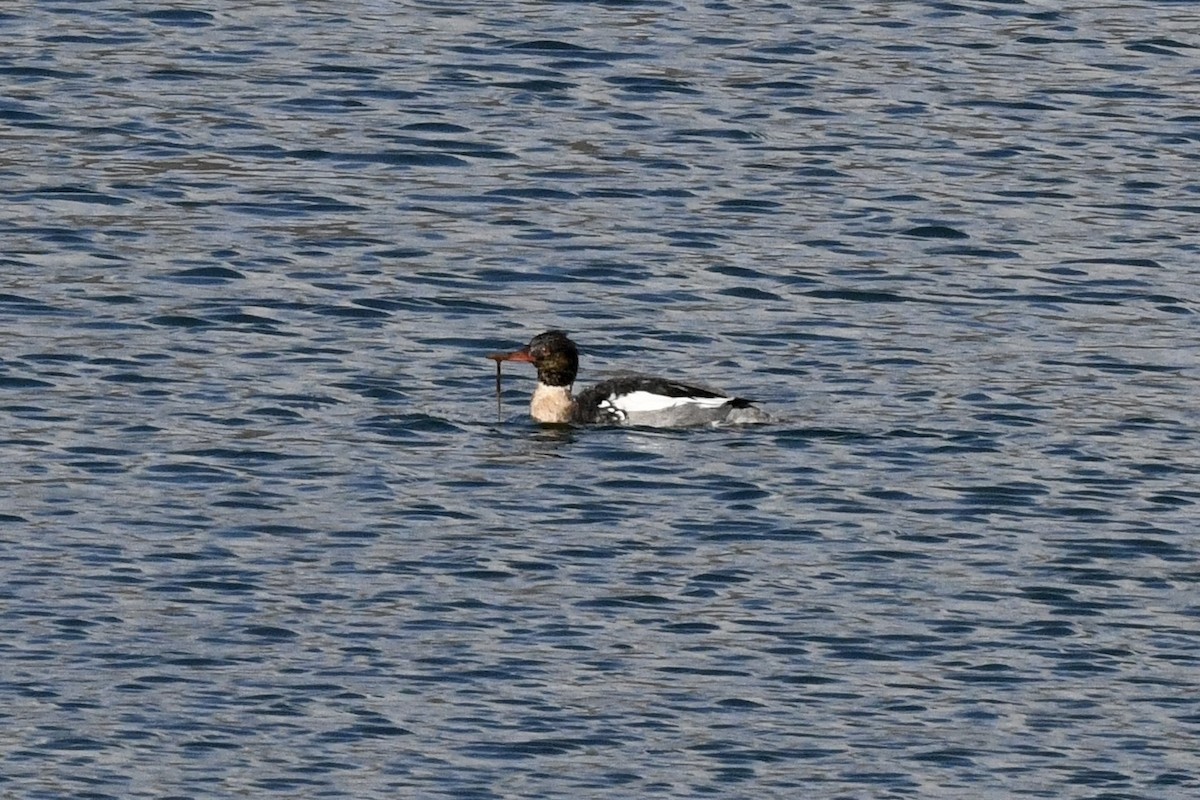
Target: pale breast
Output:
{"points": [[551, 404]]}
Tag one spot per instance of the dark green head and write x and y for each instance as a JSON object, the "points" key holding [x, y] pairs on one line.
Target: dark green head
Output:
{"points": [[552, 353]]}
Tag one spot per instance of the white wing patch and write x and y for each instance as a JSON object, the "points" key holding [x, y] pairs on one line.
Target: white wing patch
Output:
{"points": [[649, 402]]}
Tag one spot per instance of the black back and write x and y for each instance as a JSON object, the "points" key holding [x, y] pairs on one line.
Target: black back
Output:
{"points": [[588, 403]]}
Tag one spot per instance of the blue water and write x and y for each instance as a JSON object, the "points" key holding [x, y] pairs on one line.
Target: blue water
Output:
{"points": [[264, 534]]}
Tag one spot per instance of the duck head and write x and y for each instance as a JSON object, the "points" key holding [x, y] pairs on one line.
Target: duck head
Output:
{"points": [[553, 355]]}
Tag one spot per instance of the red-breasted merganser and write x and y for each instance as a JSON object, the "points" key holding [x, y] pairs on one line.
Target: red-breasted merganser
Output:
{"points": [[627, 400]]}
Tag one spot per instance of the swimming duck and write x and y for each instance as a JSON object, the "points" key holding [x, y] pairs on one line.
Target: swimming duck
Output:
{"points": [[626, 400]]}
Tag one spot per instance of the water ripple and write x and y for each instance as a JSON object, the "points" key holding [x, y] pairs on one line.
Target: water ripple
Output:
{"points": [[264, 515]]}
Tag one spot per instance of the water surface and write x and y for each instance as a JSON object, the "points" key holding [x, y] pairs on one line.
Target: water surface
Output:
{"points": [[264, 532]]}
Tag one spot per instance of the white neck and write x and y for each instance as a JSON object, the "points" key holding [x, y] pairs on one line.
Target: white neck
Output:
{"points": [[551, 404]]}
